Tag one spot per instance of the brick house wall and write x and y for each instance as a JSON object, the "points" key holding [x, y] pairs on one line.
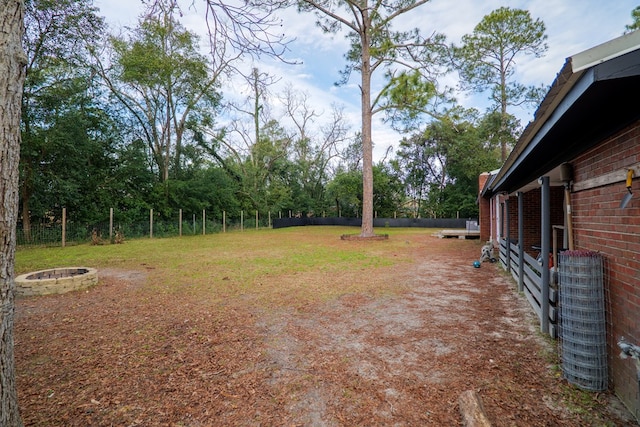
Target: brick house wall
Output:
{"points": [[601, 225], [532, 213], [484, 210]]}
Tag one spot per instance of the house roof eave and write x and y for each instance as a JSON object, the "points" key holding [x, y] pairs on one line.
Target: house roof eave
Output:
{"points": [[573, 88]]}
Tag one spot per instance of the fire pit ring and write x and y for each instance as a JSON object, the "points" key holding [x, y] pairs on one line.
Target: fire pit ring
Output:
{"points": [[56, 281]]}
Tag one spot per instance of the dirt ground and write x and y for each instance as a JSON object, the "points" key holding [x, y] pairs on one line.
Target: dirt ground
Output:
{"points": [[122, 354]]}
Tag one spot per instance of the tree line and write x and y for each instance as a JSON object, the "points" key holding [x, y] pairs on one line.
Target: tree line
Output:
{"points": [[130, 121]]}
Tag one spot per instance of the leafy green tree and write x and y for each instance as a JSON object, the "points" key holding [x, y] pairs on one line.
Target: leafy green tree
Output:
{"points": [[495, 129], [486, 60], [75, 154], [207, 188], [470, 151], [63, 129], [345, 191], [635, 15], [159, 77], [417, 164], [132, 183], [388, 191], [440, 166], [262, 187], [404, 56]]}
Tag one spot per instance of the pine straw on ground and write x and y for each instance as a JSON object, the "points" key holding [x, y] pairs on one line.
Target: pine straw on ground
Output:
{"points": [[130, 353]]}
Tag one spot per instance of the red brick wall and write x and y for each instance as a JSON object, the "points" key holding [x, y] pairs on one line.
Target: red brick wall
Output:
{"points": [[600, 225], [484, 210], [532, 212]]}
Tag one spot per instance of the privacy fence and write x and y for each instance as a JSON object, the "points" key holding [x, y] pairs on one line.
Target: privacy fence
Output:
{"points": [[112, 230], [377, 222]]}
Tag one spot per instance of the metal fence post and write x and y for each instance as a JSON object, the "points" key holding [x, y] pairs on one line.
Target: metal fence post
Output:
{"points": [[64, 227]]}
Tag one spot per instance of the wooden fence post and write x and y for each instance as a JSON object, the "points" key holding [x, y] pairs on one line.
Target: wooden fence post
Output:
{"points": [[204, 224], [241, 220], [194, 224], [256, 219], [180, 223], [110, 224], [151, 223], [224, 221]]}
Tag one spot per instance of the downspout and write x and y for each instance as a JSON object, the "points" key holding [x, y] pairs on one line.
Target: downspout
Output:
{"points": [[567, 198], [566, 175]]}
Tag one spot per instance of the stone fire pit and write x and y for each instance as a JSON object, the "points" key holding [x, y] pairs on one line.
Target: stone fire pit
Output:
{"points": [[56, 281]]}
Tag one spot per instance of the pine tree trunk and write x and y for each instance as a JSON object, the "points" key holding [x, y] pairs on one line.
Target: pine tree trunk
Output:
{"points": [[12, 73], [367, 143]]}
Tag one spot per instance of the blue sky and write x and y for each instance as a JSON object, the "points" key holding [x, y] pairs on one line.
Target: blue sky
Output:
{"points": [[572, 27]]}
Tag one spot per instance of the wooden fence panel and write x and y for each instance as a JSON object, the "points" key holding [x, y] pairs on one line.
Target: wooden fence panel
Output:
{"points": [[532, 282]]}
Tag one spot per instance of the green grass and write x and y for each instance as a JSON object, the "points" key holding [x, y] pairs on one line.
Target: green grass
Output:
{"points": [[293, 249], [273, 263]]}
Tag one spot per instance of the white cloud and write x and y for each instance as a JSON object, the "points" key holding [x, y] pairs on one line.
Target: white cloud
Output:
{"points": [[572, 26]]}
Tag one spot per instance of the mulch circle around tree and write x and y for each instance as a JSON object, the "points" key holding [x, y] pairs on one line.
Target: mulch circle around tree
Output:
{"points": [[358, 237]]}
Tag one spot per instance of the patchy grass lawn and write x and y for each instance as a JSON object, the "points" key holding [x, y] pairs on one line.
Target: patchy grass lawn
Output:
{"points": [[287, 327], [234, 263]]}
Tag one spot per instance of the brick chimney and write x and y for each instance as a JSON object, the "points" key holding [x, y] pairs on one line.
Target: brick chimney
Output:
{"points": [[484, 209]]}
